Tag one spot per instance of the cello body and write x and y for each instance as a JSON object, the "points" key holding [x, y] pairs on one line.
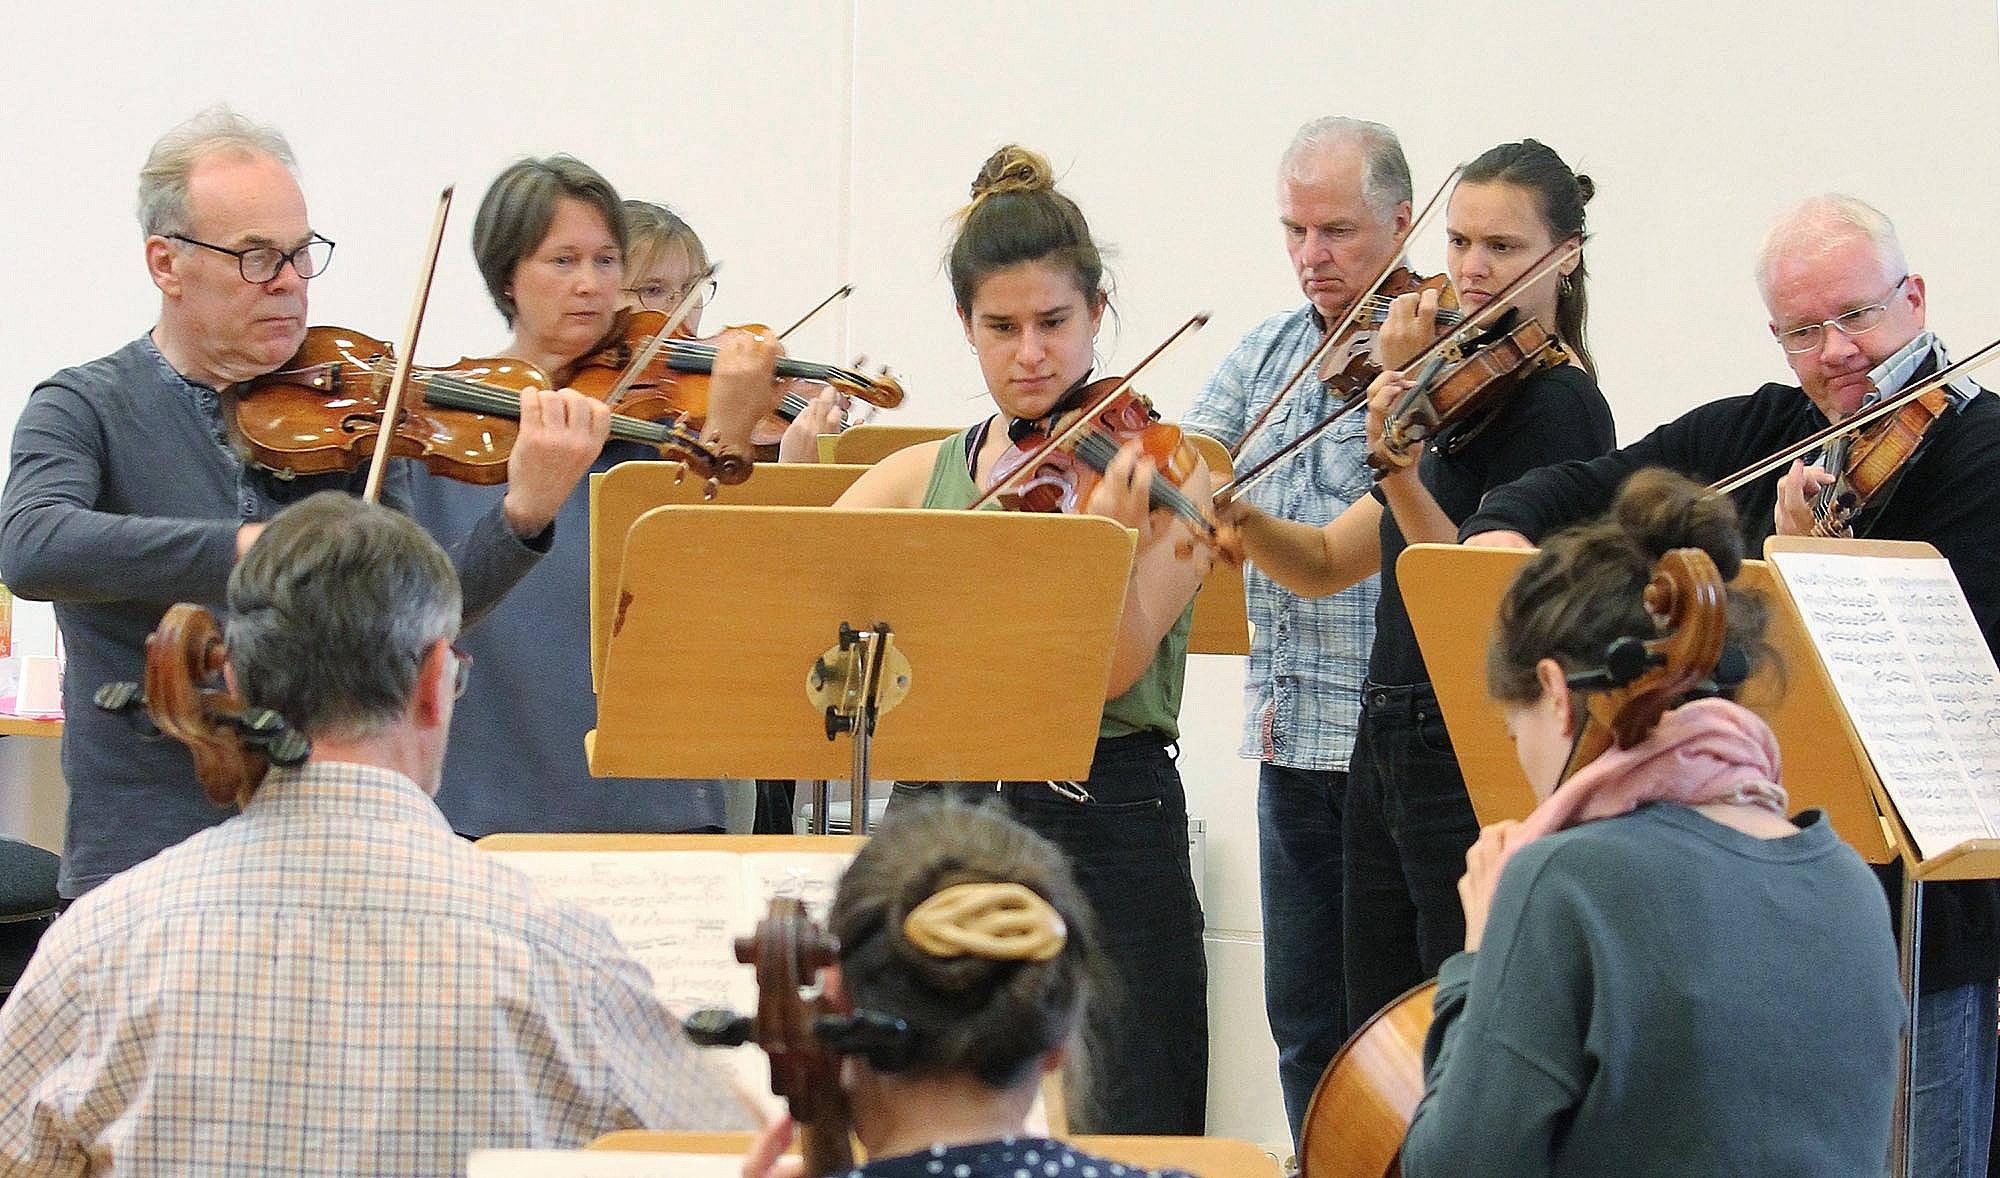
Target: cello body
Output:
{"points": [[1355, 1124]]}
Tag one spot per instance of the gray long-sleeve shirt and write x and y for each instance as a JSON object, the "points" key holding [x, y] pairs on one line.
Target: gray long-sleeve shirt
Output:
{"points": [[124, 496]]}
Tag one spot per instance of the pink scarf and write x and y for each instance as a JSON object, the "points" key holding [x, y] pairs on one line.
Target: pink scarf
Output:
{"points": [[1709, 750]]}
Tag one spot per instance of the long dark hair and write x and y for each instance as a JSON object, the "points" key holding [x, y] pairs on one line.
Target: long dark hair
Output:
{"points": [[1560, 194]]}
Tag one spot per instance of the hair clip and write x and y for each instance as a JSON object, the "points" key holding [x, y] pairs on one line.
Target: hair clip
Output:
{"points": [[996, 921]]}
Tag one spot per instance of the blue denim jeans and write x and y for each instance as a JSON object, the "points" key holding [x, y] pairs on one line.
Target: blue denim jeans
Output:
{"points": [[1954, 1064], [1125, 832], [1298, 861], [1407, 826]]}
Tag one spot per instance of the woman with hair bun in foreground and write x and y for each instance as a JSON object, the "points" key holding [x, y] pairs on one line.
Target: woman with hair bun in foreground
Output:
{"points": [[970, 929], [1663, 973]]}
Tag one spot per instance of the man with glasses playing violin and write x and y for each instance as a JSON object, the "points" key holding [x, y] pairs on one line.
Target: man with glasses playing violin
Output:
{"points": [[331, 982], [126, 494], [1344, 204], [1849, 314]]}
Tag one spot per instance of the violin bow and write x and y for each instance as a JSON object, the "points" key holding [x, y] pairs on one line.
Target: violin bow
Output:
{"points": [[1861, 420], [1466, 328], [392, 405], [1354, 312], [644, 356], [824, 303], [1073, 429]]}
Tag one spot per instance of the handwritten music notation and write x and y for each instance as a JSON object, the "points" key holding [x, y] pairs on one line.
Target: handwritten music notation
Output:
{"points": [[1916, 679]]}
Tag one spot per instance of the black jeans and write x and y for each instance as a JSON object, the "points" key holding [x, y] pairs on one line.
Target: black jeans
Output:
{"points": [[1407, 827], [1126, 835]]}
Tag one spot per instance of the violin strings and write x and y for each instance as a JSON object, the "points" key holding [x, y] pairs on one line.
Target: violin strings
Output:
{"points": [[481, 398], [1098, 450]]}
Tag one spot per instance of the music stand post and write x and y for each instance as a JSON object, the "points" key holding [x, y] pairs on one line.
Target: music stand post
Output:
{"points": [[724, 612]]}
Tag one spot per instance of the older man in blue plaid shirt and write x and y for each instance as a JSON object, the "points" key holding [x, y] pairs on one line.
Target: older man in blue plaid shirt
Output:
{"points": [[1344, 204], [332, 982]]}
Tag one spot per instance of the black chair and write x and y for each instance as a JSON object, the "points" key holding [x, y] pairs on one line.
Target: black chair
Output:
{"points": [[28, 904]]}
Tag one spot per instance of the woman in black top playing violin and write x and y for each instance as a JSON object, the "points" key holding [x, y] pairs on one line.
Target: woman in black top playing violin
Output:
{"points": [[1408, 820]]}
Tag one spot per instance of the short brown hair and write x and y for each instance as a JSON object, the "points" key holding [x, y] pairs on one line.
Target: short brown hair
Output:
{"points": [[518, 208]]}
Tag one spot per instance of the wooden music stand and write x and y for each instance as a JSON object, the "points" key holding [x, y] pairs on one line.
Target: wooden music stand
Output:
{"points": [[626, 491], [1221, 618], [871, 443], [1453, 595], [1007, 621], [1970, 859]]}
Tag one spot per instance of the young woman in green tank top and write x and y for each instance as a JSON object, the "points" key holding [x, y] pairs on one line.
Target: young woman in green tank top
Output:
{"points": [[1028, 283]]}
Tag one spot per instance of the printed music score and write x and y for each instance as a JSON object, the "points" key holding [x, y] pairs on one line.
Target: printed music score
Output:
{"points": [[1917, 681], [678, 913]]}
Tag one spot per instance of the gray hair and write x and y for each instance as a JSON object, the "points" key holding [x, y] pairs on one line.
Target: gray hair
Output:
{"points": [[332, 612], [1821, 224], [163, 181], [1385, 174]]}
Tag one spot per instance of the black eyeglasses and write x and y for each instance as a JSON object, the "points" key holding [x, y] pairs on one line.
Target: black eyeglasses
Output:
{"points": [[260, 264]]}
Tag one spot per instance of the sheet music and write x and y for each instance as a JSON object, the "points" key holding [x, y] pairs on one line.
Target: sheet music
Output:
{"points": [[679, 912], [568, 1163], [1917, 680]]}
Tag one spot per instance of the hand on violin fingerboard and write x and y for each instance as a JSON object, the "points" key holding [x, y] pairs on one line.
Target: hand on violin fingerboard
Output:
{"points": [[1125, 492], [744, 390], [1793, 512], [246, 535], [1383, 396], [562, 433], [822, 415], [1410, 327]]}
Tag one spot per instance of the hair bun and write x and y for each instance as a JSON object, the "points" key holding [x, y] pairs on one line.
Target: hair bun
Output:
{"points": [[1013, 168], [1585, 188], [1661, 511]]}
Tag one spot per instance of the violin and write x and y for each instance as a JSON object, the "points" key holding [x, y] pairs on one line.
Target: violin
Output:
{"points": [[1875, 458], [1035, 475], [1463, 380], [1361, 1109], [1350, 366], [675, 383], [184, 697], [321, 411], [1055, 466]]}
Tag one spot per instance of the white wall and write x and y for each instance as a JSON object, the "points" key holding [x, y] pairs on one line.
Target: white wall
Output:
{"points": [[815, 143]]}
